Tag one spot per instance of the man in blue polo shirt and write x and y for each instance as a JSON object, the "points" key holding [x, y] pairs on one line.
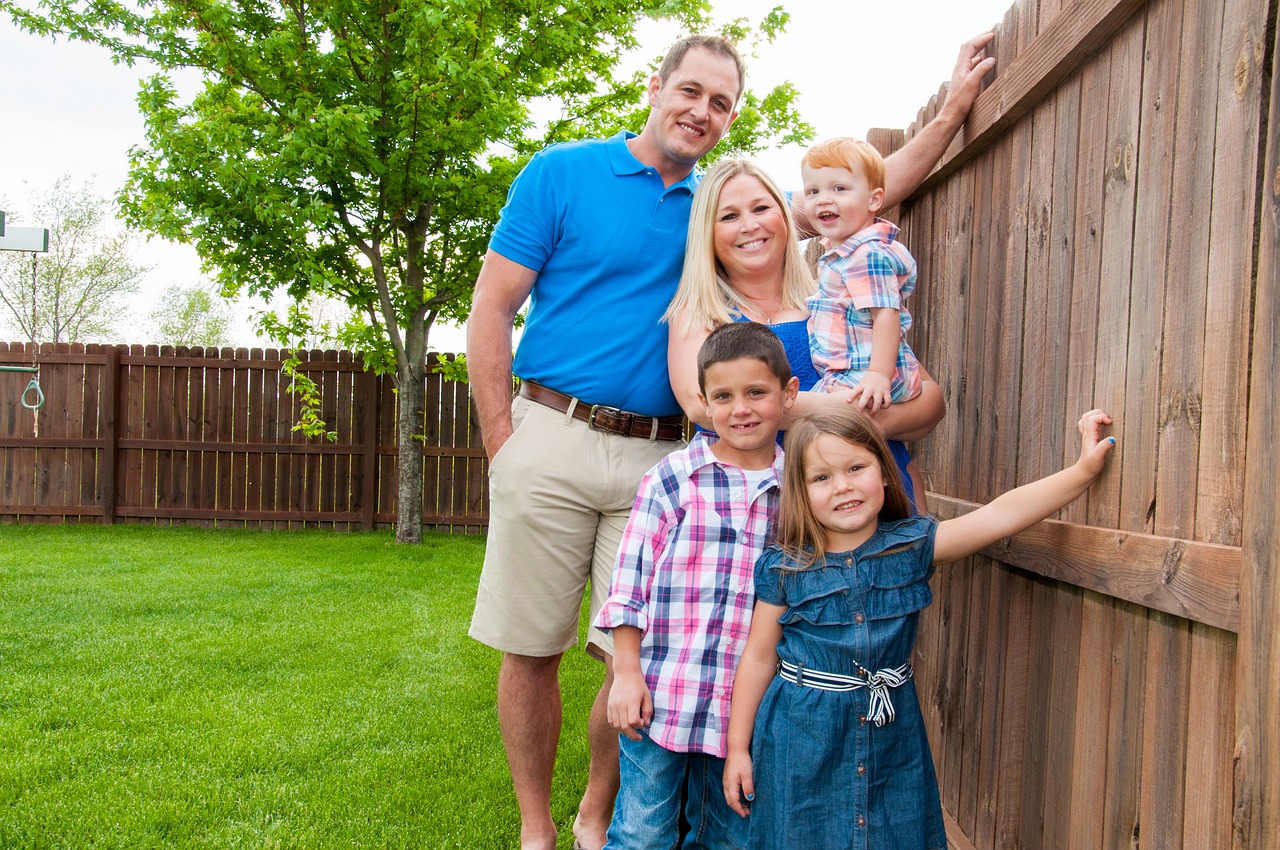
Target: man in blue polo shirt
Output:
{"points": [[593, 234]]}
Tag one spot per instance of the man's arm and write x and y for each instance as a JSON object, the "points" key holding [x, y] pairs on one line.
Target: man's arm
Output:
{"points": [[501, 289], [908, 167]]}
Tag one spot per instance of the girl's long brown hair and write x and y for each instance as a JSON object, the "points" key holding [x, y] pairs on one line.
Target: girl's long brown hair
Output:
{"points": [[798, 531]]}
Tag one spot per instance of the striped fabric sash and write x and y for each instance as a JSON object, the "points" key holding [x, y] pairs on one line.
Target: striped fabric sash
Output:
{"points": [[881, 708]]}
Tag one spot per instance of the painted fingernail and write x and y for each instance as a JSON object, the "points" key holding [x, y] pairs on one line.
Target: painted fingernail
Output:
{"points": [[750, 797], [1111, 440]]}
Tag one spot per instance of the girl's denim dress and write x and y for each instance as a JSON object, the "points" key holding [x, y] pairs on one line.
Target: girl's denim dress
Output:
{"points": [[826, 775]]}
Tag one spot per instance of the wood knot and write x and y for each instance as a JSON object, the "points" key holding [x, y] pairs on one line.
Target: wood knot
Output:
{"points": [[1241, 76], [1171, 562]]}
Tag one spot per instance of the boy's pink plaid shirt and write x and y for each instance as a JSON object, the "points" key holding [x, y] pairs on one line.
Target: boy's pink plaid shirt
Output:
{"points": [[685, 576]]}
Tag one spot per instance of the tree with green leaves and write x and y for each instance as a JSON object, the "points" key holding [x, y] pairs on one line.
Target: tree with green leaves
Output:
{"points": [[192, 315], [81, 289], [362, 151]]}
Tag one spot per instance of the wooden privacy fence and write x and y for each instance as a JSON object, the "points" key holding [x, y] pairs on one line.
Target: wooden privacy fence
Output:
{"points": [[194, 436], [1104, 234]]}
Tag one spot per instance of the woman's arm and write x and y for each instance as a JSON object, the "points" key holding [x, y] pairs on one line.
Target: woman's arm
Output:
{"points": [[683, 343], [914, 419]]}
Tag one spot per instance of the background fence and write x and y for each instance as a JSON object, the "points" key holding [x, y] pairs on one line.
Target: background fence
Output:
{"points": [[159, 434], [1104, 234]]}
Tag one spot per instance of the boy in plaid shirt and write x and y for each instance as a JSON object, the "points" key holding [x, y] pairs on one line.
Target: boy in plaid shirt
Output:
{"points": [[857, 320], [682, 594]]}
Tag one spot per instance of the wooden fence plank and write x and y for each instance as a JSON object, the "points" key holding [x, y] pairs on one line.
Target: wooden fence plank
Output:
{"points": [[1197, 581], [271, 464], [1238, 75], [150, 428], [1190, 145], [365, 415], [1164, 741], [110, 415], [992, 746], [239, 429], [167, 428], [1060, 769], [1124, 731], [978, 795], [255, 482], [388, 478], [1256, 813], [1119, 767], [209, 421], [1013, 712], [977, 677], [133, 426], [51, 487], [194, 428], [344, 397], [1210, 740]]}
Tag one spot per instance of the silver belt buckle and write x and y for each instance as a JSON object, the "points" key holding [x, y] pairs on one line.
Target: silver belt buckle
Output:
{"points": [[596, 408]]}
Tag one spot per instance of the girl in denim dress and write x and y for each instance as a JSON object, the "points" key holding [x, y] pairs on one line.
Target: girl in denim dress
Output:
{"points": [[827, 746]]}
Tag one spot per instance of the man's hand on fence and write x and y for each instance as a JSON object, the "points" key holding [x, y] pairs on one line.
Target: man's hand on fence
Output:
{"points": [[966, 79]]}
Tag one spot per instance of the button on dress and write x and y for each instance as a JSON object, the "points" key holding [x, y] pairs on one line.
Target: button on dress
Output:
{"points": [[825, 775]]}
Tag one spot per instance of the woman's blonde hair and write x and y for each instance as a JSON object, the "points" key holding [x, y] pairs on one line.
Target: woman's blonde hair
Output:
{"points": [[704, 296], [798, 531]]}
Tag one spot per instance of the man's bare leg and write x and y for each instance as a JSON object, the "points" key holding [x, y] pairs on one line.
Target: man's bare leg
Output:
{"points": [[596, 809], [529, 712]]}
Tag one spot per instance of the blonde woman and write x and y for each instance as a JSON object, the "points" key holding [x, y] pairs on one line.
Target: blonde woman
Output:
{"points": [[743, 263]]}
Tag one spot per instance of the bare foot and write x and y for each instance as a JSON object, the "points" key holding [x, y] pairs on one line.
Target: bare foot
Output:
{"points": [[587, 836]]}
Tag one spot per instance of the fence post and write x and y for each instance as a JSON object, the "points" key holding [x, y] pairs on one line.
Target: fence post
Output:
{"points": [[107, 407]]}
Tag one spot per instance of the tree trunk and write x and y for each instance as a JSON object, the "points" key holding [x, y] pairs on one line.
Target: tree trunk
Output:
{"points": [[411, 392]]}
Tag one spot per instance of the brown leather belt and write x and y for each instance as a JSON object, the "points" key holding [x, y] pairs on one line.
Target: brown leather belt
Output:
{"points": [[609, 419]]}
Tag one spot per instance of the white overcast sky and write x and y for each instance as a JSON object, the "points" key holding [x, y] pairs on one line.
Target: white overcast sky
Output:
{"points": [[68, 110]]}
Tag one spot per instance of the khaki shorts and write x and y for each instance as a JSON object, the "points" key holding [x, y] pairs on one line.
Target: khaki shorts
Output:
{"points": [[559, 497]]}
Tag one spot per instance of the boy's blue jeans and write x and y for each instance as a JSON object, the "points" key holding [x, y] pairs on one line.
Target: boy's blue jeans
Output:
{"points": [[646, 815]]}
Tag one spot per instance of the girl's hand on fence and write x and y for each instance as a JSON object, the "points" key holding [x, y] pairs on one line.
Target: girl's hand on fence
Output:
{"points": [[1094, 448]]}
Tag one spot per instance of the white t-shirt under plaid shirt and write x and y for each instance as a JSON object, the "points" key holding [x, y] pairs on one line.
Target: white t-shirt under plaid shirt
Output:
{"points": [[685, 578]]}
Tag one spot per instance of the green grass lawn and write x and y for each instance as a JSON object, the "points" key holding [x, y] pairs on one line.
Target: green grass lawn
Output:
{"points": [[178, 687]]}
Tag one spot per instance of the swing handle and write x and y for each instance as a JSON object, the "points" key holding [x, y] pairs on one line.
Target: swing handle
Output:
{"points": [[33, 386]]}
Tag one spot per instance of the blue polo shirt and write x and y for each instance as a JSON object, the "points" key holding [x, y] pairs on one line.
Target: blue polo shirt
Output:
{"points": [[607, 241]]}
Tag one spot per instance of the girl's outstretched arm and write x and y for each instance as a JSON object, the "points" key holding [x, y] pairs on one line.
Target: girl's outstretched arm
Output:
{"points": [[1022, 507], [755, 671]]}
